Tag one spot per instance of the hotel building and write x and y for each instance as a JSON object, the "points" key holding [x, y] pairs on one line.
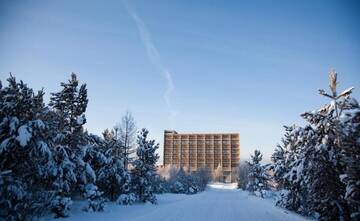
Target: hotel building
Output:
{"points": [[193, 150]]}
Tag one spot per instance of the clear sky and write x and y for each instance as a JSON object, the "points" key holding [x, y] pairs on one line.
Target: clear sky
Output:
{"points": [[192, 66]]}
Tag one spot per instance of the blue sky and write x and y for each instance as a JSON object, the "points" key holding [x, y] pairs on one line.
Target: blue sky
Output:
{"points": [[193, 66]]}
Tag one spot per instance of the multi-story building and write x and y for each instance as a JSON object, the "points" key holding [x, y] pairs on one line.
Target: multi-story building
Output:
{"points": [[193, 151]]}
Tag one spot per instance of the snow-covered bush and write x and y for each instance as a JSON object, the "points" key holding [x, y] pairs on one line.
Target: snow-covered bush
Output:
{"points": [[126, 199], [178, 187], [112, 177], [95, 199], [202, 177], [184, 183], [60, 206], [177, 180], [160, 184]]}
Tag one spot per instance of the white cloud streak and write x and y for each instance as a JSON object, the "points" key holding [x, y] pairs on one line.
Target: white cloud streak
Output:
{"points": [[154, 57]]}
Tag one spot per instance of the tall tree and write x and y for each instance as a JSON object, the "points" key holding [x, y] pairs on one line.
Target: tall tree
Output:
{"points": [[125, 132], [144, 170], [74, 171], [25, 153], [326, 147], [290, 168], [70, 105]]}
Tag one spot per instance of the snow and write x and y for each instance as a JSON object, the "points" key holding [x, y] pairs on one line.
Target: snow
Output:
{"points": [[80, 120], [4, 144], [346, 92], [342, 176], [90, 189], [13, 124], [90, 171], [43, 148], [39, 124], [24, 135], [219, 202]]}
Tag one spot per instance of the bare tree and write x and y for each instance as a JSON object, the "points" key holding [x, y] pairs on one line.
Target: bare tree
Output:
{"points": [[243, 173], [125, 132], [218, 174]]}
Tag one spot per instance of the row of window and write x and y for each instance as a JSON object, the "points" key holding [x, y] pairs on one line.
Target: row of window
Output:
{"points": [[178, 142], [203, 148], [202, 153]]}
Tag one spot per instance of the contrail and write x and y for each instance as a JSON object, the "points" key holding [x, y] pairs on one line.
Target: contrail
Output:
{"points": [[154, 56]]}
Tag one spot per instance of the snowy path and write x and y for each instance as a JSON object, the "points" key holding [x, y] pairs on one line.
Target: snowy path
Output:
{"points": [[220, 202]]}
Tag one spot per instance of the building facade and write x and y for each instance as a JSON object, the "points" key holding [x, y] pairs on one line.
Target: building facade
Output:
{"points": [[193, 151]]}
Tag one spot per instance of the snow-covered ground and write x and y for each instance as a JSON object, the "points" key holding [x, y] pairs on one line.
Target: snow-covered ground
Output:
{"points": [[219, 202]]}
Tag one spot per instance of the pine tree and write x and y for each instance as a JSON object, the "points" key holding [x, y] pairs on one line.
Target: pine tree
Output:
{"points": [[95, 198], [70, 105], [65, 112], [351, 158], [184, 183], [257, 176], [74, 172], [321, 161], [282, 157], [25, 152], [112, 178], [291, 168], [144, 168], [327, 147], [201, 178]]}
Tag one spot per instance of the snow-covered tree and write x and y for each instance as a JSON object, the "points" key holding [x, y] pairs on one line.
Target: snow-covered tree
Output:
{"points": [[112, 177], [95, 198], [290, 168], [338, 126], [184, 183], [60, 206], [66, 109], [144, 170], [282, 157], [70, 105], [257, 177], [350, 123], [316, 165], [74, 171], [176, 180], [25, 152], [160, 184], [202, 177]]}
